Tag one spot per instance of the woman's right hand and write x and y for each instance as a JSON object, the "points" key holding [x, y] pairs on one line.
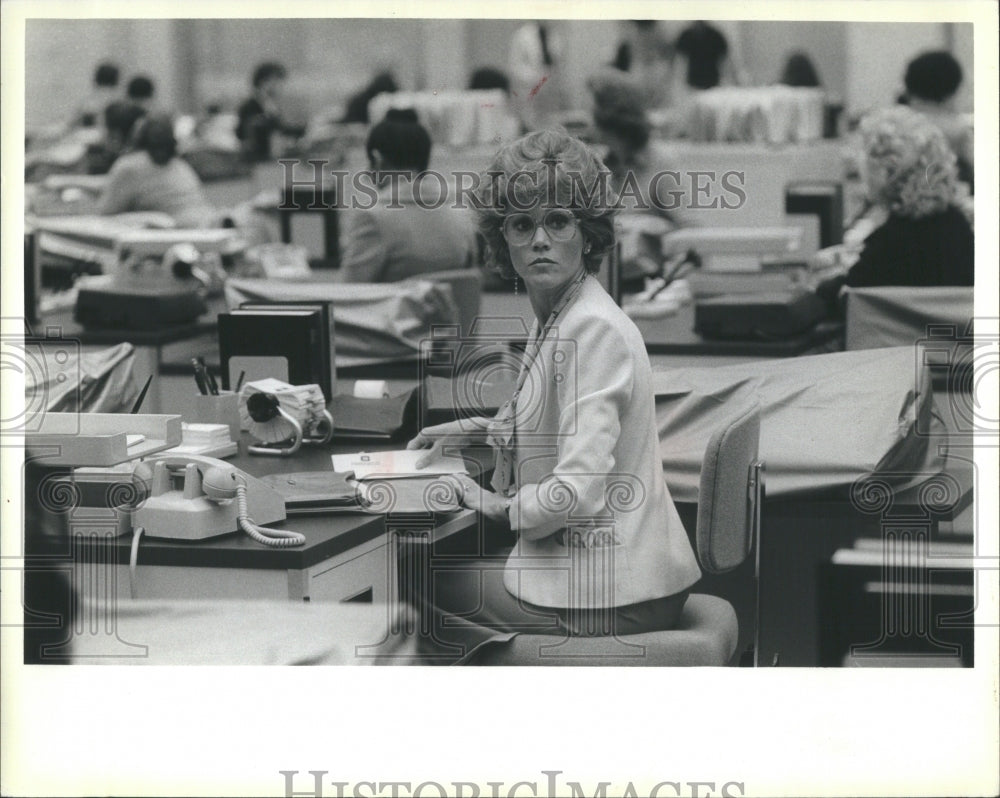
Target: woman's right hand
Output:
{"points": [[435, 439]]}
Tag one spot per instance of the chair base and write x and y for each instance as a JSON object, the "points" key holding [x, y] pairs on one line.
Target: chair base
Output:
{"points": [[706, 636]]}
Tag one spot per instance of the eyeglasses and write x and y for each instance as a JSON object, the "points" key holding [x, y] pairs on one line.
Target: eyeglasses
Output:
{"points": [[519, 228]]}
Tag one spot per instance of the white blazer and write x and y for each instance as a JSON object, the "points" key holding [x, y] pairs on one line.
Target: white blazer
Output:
{"points": [[596, 525]]}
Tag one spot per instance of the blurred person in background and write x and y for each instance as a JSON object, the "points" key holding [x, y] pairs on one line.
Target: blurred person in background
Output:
{"points": [[356, 111], [151, 177], [399, 237], [120, 120], [706, 56], [652, 197], [932, 83], [140, 91], [486, 78], [799, 72], [260, 117], [919, 236], [648, 56], [537, 52], [104, 92]]}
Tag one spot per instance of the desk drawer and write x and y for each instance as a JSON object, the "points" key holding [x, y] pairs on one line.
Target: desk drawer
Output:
{"points": [[364, 574], [361, 574]]}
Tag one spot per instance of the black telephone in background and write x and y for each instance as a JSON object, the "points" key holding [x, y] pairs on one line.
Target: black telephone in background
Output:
{"points": [[192, 497]]}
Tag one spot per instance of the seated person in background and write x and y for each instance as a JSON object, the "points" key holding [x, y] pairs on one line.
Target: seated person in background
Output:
{"points": [[120, 119], [799, 72], [385, 243], [357, 105], [485, 78], [932, 81], [648, 56], [706, 57], [152, 178], [651, 199], [105, 92], [261, 116], [140, 92], [536, 66], [923, 238]]}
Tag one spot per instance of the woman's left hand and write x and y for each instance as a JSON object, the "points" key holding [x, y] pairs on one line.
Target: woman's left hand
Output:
{"points": [[486, 502]]}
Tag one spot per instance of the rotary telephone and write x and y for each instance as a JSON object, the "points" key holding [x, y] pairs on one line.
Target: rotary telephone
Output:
{"points": [[192, 497]]}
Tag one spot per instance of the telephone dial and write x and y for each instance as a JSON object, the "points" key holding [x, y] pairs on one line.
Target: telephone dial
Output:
{"points": [[192, 497]]}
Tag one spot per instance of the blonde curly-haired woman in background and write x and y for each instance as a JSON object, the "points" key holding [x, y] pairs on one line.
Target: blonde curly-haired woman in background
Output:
{"points": [[911, 175]]}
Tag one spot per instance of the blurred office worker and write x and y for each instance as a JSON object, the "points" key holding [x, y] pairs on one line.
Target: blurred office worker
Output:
{"points": [[140, 91], [932, 81], [925, 239], [152, 178], [404, 234], [261, 116]]}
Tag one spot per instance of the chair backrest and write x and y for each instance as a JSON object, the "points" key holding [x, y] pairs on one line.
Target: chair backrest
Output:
{"points": [[466, 290], [730, 493]]}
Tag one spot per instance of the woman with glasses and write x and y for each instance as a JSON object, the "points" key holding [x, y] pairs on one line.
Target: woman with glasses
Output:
{"points": [[599, 548]]}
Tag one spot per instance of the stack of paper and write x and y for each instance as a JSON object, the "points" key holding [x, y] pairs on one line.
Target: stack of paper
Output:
{"points": [[396, 465], [205, 435], [208, 439]]}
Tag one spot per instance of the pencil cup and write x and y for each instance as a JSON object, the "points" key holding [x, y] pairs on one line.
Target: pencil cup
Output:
{"points": [[221, 409]]}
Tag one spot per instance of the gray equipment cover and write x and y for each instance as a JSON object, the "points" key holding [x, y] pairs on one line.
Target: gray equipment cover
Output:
{"points": [[374, 322], [826, 420]]}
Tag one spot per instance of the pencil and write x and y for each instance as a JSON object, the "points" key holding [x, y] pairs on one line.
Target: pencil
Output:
{"points": [[142, 395]]}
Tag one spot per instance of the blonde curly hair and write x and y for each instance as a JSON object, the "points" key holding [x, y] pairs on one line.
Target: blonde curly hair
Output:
{"points": [[911, 169], [540, 155]]}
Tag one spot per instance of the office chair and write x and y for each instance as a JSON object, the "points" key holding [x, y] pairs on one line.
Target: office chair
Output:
{"points": [[728, 523], [466, 289]]}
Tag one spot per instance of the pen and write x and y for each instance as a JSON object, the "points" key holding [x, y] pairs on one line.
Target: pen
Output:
{"points": [[199, 377], [239, 382], [142, 395], [213, 387]]}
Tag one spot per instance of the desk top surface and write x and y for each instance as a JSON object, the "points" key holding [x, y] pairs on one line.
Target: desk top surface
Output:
{"points": [[327, 534], [326, 537]]}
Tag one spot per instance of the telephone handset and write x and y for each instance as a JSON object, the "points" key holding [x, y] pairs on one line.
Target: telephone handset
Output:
{"points": [[193, 497]]}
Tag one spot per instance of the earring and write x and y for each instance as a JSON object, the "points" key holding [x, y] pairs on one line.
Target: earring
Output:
{"points": [[515, 285], [586, 249]]}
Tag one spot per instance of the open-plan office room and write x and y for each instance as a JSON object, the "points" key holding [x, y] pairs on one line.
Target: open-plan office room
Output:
{"points": [[444, 341]]}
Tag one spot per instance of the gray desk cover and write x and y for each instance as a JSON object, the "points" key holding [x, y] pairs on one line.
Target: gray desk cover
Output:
{"points": [[374, 322], [148, 632], [827, 420]]}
